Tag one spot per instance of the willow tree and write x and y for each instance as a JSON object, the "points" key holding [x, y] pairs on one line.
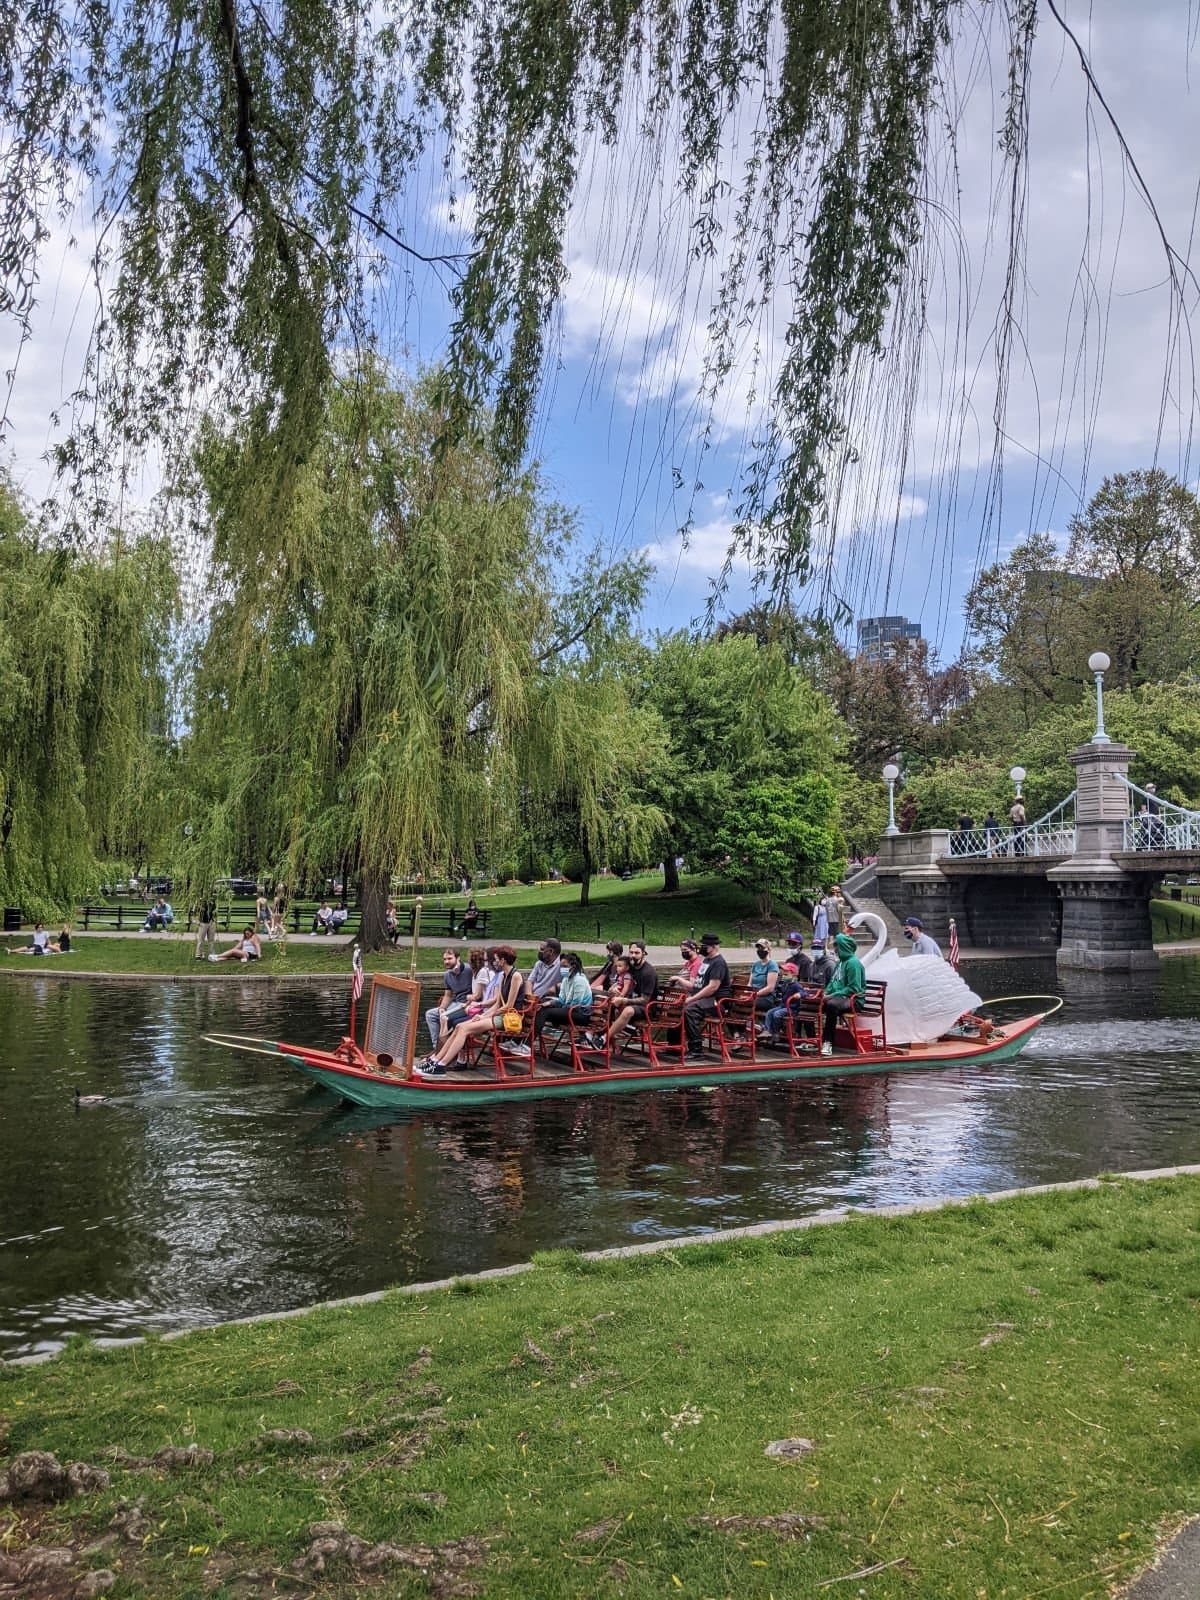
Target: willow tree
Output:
{"points": [[85, 661], [382, 679], [262, 172]]}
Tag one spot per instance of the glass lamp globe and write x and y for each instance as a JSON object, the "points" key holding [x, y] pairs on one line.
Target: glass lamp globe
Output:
{"points": [[891, 772], [1098, 662]]}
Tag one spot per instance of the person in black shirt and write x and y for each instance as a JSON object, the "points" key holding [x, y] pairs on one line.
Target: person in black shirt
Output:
{"points": [[712, 985], [603, 981], [645, 988]]}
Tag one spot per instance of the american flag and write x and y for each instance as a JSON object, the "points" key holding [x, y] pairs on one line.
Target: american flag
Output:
{"points": [[953, 957], [356, 981]]}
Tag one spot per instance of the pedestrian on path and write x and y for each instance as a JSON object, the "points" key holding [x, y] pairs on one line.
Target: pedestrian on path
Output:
{"points": [[820, 925], [206, 931]]}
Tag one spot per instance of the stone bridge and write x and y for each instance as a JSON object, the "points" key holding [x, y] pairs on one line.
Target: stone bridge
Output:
{"points": [[1079, 886]]}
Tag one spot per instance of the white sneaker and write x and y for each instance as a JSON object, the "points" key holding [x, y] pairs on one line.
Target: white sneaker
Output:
{"points": [[214, 958], [826, 1049]]}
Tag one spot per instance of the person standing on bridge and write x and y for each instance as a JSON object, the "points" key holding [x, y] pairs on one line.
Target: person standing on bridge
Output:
{"points": [[1016, 816], [991, 829]]}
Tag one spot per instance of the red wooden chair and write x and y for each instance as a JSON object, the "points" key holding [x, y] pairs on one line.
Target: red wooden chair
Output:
{"points": [[582, 1028], [802, 1025], [519, 1060], [735, 1026], [661, 1033], [865, 1027]]}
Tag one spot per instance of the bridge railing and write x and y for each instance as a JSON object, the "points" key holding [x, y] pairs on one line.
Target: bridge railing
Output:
{"points": [[1158, 824], [1051, 835]]}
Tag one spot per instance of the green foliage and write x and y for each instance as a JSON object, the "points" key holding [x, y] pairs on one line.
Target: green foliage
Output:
{"points": [[85, 637], [392, 678], [941, 792], [735, 713], [782, 839]]}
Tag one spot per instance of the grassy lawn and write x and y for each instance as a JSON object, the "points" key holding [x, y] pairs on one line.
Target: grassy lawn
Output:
{"points": [[635, 909], [998, 1401], [1174, 919], [158, 956]]}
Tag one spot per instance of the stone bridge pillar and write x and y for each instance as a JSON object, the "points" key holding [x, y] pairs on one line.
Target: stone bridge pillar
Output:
{"points": [[1105, 911]]}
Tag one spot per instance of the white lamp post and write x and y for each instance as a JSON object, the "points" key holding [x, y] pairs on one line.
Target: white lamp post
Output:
{"points": [[1098, 665], [1017, 774], [890, 773]]}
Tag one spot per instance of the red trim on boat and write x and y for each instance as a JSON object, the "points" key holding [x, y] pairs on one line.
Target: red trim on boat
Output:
{"points": [[330, 1062]]}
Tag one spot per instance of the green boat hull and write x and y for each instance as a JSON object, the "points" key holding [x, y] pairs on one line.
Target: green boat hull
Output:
{"points": [[380, 1092]]}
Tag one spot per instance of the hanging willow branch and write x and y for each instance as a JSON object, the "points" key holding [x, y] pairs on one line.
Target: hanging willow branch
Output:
{"points": [[254, 163]]}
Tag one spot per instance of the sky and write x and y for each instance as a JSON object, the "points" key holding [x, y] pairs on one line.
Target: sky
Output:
{"points": [[1100, 381]]}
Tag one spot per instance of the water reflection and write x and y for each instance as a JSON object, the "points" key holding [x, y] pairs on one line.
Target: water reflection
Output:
{"points": [[213, 1185]]}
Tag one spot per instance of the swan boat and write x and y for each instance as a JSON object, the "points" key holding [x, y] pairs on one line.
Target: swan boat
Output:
{"points": [[945, 1023]]}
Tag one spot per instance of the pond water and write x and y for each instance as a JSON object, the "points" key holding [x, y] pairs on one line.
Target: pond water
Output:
{"points": [[213, 1185]]}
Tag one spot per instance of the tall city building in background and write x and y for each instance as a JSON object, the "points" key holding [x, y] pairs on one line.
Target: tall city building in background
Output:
{"points": [[879, 637]]}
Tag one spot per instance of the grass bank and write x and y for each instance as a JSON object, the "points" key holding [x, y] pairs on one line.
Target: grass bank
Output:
{"points": [[1172, 920], [157, 955], [994, 1401]]}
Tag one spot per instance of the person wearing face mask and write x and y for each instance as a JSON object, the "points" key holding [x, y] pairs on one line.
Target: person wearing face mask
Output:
{"points": [[923, 945], [764, 976]]}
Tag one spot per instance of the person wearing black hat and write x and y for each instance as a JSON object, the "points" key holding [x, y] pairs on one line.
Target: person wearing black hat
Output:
{"points": [[923, 945], [712, 984]]}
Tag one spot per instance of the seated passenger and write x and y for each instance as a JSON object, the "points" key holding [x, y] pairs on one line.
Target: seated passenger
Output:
{"points": [[248, 948], [456, 990], [845, 990], [509, 995], [643, 987], [689, 951], [574, 1000], [794, 983], [547, 969], [602, 982], [764, 976]]}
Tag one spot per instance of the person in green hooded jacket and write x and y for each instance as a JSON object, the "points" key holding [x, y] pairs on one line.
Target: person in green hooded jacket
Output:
{"points": [[845, 989]]}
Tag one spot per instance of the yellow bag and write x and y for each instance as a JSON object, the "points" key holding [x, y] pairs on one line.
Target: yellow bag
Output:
{"points": [[512, 1021]]}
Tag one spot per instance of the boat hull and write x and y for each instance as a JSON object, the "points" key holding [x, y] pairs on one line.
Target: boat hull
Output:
{"points": [[380, 1090]]}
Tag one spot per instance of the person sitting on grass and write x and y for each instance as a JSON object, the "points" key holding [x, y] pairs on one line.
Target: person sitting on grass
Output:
{"points": [[845, 990], [574, 1000], [248, 948], [39, 943], [509, 995], [62, 945]]}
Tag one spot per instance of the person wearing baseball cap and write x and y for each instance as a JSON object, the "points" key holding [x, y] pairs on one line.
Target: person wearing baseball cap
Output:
{"points": [[923, 945]]}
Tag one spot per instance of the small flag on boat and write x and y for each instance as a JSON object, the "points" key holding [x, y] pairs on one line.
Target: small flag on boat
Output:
{"points": [[953, 957], [356, 981]]}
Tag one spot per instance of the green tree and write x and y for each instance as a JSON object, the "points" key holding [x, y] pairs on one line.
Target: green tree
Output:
{"points": [[85, 658], [781, 838], [390, 681], [735, 713]]}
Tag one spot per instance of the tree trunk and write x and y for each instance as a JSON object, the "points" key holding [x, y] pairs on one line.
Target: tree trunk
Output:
{"points": [[670, 871], [373, 887], [585, 882]]}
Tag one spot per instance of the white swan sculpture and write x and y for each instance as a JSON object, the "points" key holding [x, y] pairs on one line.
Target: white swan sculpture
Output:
{"points": [[925, 996]]}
